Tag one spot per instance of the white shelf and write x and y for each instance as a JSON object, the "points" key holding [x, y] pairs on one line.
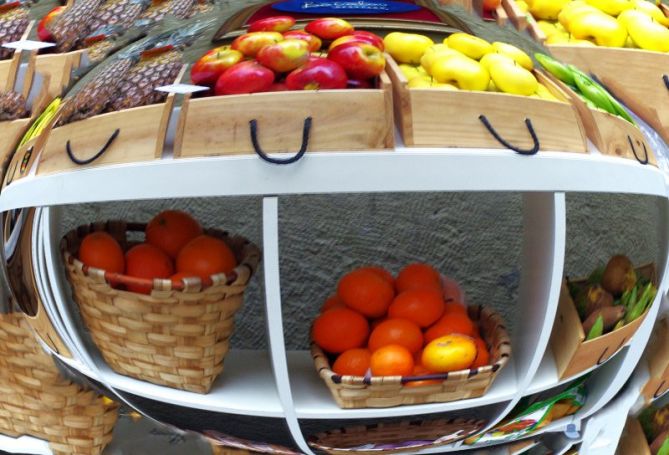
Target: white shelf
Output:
{"points": [[406, 169], [24, 445], [245, 387], [313, 400]]}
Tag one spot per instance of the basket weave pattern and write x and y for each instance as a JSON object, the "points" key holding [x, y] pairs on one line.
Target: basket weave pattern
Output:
{"points": [[380, 392], [35, 400], [173, 338]]}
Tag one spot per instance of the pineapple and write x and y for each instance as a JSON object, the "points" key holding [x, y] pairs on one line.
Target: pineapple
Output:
{"points": [[68, 27], [139, 84], [118, 12], [180, 9], [12, 106], [13, 23], [94, 96]]}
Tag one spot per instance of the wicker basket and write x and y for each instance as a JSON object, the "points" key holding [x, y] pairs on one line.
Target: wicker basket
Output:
{"points": [[386, 391], [398, 437], [179, 335], [35, 400]]}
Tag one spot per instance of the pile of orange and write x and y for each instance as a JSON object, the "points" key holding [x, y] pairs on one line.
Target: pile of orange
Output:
{"points": [[411, 325], [175, 248]]}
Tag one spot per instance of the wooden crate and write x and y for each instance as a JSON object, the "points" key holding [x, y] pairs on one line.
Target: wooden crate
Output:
{"points": [[657, 358], [611, 134], [443, 118], [572, 353], [517, 17], [633, 441], [59, 68], [342, 120], [635, 76], [140, 137]]}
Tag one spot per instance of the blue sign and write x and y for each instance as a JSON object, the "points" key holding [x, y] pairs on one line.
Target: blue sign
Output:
{"points": [[344, 7]]}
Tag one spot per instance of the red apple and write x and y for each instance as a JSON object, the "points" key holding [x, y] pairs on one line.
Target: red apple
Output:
{"points": [[359, 60], [42, 33], [359, 37], [317, 73], [244, 77], [489, 5], [359, 83], [272, 24], [314, 42], [285, 55], [329, 28], [211, 65], [250, 43]]}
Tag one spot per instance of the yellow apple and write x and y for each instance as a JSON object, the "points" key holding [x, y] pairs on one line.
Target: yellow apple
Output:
{"points": [[420, 82], [651, 10], [514, 79], [444, 86], [433, 52], [648, 34], [545, 93], [409, 71], [463, 72], [600, 28], [516, 54], [611, 7], [494, 58], [558, 38], [573, 10], [406, 47], [470, 45], [547, 9], [548, 28]]}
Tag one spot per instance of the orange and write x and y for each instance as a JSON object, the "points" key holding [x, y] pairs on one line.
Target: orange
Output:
{"points": [[420, 370], [396, 331], [392, 360], [380, 271], [449, 353], [422, 306], [482, 354], [205, 256], [451, 323], [147, 261], [170, 230], [417, 275], [455, 307], [354, 362], [332, 302], [340, 329], [365, 291], [102, 251]]}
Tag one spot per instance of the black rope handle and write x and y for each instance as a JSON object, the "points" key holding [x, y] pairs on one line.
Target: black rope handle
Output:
{"points": [[104, 148], [665, 78], [501, 140], [645, 151], [303, 148]]}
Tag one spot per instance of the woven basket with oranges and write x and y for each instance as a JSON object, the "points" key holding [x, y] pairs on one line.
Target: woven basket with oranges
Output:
{"points": [[382, 341]]}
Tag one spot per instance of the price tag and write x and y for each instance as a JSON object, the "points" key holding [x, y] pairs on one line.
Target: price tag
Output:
{"points": [[181, 88], [27, 45]]}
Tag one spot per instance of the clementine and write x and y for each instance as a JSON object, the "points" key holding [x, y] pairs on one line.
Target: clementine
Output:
{"points": [[102, 251], [449, 353], [423, 306], [455, 307], [482, 354], [354, 362], [365, 291], [340, 329], [170, 230], [396, 331], [147, 261], [380, 271], [392, 360], [418, 275], [205, 256], [451, 323]]}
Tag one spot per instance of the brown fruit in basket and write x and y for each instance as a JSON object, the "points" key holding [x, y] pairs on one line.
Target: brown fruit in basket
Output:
{"points": [[102, 251], [422, 306], [147, 261], [365, 291], [354, 362], [171, 230], [418, 275], [610, 315], [392, 360], [340, 329], [619, 275], [396, 331], [595, 298], [482, 354]]}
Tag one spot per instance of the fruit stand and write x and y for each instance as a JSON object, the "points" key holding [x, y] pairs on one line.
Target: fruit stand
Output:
{"points": [[264, 155]]}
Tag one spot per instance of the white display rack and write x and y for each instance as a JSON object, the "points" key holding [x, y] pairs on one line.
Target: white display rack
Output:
{"points": [[283, 384]]}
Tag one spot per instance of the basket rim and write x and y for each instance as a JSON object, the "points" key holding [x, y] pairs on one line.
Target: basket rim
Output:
{"points": [[249, 261], [505, 354]]}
